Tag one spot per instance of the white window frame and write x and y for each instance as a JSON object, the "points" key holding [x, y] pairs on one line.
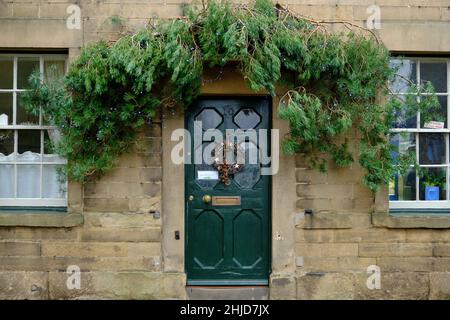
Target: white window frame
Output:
{"points": [[422, 204], [31, 202]]}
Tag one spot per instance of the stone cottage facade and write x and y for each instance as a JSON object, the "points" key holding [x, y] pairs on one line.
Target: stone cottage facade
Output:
{"points": [[127, 232]]}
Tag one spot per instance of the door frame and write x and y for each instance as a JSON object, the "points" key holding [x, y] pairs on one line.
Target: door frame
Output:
{"points": [[248, 282], [283, 192]]}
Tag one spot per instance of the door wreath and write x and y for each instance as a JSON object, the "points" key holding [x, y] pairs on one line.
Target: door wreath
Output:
{"points": [[226, 169]]}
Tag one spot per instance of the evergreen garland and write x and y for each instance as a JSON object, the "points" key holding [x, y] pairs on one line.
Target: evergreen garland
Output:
{"points": [[334, 82]]}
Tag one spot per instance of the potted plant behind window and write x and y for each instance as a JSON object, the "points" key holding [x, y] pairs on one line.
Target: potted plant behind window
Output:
{"points": [[433, 182]]}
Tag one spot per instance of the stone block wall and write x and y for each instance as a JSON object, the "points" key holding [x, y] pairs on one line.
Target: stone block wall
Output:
{"points": [[338, 242], [117, 248]]}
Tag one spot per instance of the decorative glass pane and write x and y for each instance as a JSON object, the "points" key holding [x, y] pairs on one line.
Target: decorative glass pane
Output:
{"points": [[54, 179], [432, 184], [405, 73], [403, 119], [247, 119], [250, 173], [7, 181], [437, 120], [403, 187], [29, 146], [436, 73], [6, 74], [6, 108], [431, 148], [23, 116], [25, 67], [28, 181], [405, 142], [210, 119], [6, 146]]}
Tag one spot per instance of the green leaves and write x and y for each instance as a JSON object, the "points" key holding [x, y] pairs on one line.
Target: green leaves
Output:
{"points": [[334, 80]]}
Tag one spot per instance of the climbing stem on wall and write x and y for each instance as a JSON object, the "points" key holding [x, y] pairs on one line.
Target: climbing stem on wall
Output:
{"points": [[334, 83]]}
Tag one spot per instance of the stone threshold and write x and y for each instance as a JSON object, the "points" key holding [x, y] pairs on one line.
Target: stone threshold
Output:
{"points": [[227, 293]]}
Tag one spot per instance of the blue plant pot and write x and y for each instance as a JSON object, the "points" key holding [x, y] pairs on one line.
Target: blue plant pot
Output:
{"points": [[431, 193]]}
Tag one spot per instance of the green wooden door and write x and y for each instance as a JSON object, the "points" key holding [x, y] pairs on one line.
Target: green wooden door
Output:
{"points": [[228, 244]]}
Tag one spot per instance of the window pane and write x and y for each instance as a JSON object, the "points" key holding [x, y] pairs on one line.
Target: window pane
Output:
{"points": [[431, 148], [53, 68], [405, 142], [6, 145], [6, 108], [25, 67], [403, 187], [50, 138], [436, 120], [23, 116], [436, 73], [406, 71], [6, 74], [432, 184], [403, 119], [53, 182], [28, 181], [29, 146], [7, 181]]}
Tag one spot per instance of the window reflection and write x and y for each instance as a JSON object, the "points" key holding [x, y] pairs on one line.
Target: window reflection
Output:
{"points": [[6, 108], [6, 74], [439, 117], [23, 116], [403, 187], [431, 148], [436, 73], [405, 74], [404, 142], [25, 67], [6, 145], [403, 118]]}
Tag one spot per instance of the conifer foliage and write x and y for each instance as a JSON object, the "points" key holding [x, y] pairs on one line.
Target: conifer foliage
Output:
{"points": [[334, 83]]}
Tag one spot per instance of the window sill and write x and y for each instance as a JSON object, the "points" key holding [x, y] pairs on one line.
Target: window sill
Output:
{"points": [[412, 219], [40, 219]]}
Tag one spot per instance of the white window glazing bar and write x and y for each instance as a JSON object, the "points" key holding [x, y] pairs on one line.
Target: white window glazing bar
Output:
{"points": [[420, 130], [15, 162], [41, 167], [418, 161], [418, 84]]}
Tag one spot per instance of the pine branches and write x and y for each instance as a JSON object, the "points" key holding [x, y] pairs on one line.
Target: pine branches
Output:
{"points": [[112, 89]]}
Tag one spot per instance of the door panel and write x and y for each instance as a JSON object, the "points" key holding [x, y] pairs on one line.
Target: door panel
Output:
{"points": [[228, 239]]}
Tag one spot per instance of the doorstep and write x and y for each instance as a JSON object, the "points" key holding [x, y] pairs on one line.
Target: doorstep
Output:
{"points": [[227, 293]]}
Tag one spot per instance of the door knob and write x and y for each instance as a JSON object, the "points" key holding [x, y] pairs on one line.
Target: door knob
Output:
{"points": [[191, 197], [206, 198]]}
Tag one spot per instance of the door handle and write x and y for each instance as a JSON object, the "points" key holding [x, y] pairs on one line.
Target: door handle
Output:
{"points": [[206, 198]]}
